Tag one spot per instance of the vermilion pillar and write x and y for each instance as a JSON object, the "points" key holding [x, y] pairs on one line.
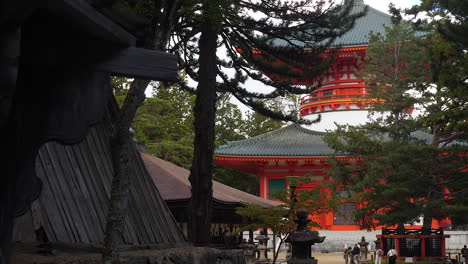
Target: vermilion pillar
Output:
{"points": [[397, 246], [442, 245], [423, 247]]}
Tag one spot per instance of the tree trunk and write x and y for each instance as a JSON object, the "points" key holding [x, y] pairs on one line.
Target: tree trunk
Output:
{"points": [[10, 40], [427, 220], [10, 51], [200, 172], [276, 250], [117, 211], [120, 144]]}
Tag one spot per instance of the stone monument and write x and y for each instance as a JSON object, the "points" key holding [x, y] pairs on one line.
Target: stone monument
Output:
{"points": [[249, 251], [363, 256], [262, 247], [302, 240]]}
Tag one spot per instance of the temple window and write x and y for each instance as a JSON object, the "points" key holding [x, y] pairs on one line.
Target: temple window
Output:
{"points": [[344, 213], [313, 194], [275, 185], [344, 194]]}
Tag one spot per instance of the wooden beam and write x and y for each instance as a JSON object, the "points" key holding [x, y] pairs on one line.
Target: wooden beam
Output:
{"points": [[141, 63], [89, 19], [14, 12], [64, 48]]}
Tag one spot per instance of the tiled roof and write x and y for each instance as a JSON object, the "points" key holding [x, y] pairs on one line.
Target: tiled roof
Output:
{"points": [[374, 20], [292, 140], [173, 184]]}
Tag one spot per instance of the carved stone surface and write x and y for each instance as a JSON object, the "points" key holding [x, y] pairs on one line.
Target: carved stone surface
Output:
{"points": [[262, 247], [302, 240], [249, 251], [363, 255]]}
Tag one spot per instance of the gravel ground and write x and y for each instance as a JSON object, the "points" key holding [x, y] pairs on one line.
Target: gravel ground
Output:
{"points": [[329, 258]]}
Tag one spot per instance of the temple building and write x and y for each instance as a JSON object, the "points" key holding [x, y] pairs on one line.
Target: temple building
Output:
{"points": [[174, 186], [296, 150]]}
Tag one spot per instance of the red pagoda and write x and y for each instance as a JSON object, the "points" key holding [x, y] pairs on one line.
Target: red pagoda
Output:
{"points": [[296, 150]]}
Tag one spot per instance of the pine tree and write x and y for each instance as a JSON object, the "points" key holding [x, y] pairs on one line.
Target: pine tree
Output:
{"points": [[280, 219], [404, 172], [276, 43], [196, 31], [453, 17], [156, 36]]}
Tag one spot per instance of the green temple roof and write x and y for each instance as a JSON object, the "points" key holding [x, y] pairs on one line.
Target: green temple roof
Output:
{"points": [[292, 140], [373, 21]]}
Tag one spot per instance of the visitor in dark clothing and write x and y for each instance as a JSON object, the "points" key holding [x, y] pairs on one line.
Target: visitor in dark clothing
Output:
{"points": [[355, 252]]}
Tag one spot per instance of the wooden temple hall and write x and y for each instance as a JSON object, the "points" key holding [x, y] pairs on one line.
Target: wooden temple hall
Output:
{"points": [[174, 186], [56, 113]]}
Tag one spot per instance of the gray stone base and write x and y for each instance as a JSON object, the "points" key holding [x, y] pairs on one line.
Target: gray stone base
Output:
{"points": [[183, 255], [188, 256], [302, 261]]}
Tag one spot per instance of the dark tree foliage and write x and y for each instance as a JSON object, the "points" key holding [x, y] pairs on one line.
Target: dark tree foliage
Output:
{"points": [[240, 180], [281, 38], [229, 121], [454, 17], [251, 49], [409, 166], [448, 65], [164, 125], [154, 35], [281, 218]]}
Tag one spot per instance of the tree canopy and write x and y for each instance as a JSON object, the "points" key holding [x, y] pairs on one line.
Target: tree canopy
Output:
{"points": [[251, 47], [452, 16], [410, 166], [280, 219], [164, 125], [282, 39]]}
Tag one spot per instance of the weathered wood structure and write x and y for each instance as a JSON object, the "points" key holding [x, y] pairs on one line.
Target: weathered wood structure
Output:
{"points": [[174, 186], [55, 61], [76, 180]]}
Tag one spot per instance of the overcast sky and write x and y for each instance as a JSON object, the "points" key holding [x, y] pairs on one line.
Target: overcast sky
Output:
{"points": [[382, 5]]}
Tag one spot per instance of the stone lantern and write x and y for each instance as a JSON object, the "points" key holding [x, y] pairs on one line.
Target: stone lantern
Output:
{"points": [[249, 252], [377, 243], [363, 245], [262, 247], [302, 240]]}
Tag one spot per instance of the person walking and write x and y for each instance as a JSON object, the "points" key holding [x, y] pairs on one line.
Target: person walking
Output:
{"points": [[356, 251], [378, 256], [464, 254], [392, 254], [348, 257]]}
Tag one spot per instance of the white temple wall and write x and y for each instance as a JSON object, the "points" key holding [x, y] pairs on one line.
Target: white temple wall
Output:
{"points": [[328, 119]]}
